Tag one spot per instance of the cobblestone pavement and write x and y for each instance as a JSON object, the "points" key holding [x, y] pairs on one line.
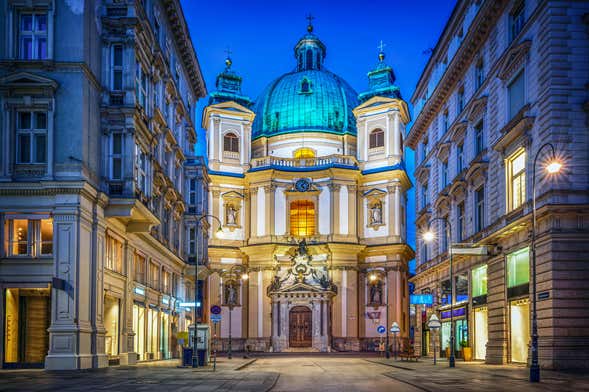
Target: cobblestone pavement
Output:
{"points": [[302, 372]]}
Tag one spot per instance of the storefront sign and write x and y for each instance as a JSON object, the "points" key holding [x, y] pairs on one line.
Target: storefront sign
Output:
{"points": [[421, 299], [139, 291], [165, 300], [458, 312]]}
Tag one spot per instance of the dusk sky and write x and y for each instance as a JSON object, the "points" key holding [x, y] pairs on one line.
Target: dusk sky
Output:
{"points": [[261, 36]]}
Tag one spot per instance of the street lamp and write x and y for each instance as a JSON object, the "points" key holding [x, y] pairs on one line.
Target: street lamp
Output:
{"points": [[236, 273], [429, 236], [395, 330], [218, 234], [554, 166], [434, 324]]}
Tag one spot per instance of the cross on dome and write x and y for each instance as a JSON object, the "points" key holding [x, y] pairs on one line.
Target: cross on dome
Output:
{"points": [[310, 18], [381, 50]]}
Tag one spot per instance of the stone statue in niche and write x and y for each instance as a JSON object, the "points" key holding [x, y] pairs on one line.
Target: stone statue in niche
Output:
{"points": [[231, 215], [376, 293], [376, 213], [230, 294]]}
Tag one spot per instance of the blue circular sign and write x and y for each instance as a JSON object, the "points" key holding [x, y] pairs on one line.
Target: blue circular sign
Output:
{"points": [[215, 309], [381, 329]]}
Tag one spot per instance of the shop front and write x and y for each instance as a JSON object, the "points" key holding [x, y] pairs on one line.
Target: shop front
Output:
{"points": [[27, 317], [152, 333], [139, 315], [479, 312], [112, 327], [460, 329], [518, 278]]}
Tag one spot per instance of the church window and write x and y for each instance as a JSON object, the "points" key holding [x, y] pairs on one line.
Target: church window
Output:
{"points": [[304, 153], [377, 138], [231, 142], [302, 218], [305, 86], [318, 60], [309, 59]]}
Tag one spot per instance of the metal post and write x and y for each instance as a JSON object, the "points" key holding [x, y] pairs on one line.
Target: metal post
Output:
{"points": [[535, 366], [195, 338], [229, 347], [434, 350], [395, 345], [451, 360], [387, 352]]}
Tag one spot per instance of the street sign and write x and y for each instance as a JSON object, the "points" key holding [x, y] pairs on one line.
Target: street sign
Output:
{"points": [[381, 329], [421, 299], [215, 318], [215, 309]]}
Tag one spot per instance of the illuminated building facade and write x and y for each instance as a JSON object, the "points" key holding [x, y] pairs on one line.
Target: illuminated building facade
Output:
{"points": [[309, 184]]}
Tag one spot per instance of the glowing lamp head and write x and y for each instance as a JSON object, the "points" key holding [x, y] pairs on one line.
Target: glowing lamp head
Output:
{"points": [[372, 277], [219, 233], [554, 167], [429, 236], [244, 276]]}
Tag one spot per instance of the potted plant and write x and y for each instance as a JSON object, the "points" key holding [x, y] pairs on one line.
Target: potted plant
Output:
{"points": [[466, 350]]}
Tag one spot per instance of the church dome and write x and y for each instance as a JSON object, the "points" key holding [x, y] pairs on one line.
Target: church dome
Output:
{"points": [[309, 99]]}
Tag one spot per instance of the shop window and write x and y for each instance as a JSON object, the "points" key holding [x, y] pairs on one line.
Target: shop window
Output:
{"points": [[376, 138], [32, 36], [302, 218], [479, 281], [152, 334], [29, 237], [114, 254], [304, 153], [516, 179], [446, 292], [519, 315], [231, 142], [31, 137], [518, 268], [481, 333], [461, 287], [111, 325], [139, 329]]}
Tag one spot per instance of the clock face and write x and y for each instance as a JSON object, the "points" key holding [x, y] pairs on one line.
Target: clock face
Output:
{"points": [[302, 185]]}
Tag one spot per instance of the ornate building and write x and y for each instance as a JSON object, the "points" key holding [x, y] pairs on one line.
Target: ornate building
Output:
{"points": [[97, 118], [488, 100], [309, 184]]}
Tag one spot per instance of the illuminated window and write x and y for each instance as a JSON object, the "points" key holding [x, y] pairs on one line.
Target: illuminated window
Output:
{"points": [[114, 254], [304, 153], [139, 268], [479, 281], [29, 237], [302, 218], [231, 142], [376, 138], [518, 268], [516, 179]]}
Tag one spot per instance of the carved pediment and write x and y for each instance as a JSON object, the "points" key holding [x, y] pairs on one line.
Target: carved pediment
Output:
{"points": [[375, 193], [443, 151], [477, 108], [27, 80], [513, 60], [458, 130]]}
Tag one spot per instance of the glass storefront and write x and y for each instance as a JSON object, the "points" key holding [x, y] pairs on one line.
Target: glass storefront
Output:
{"points": [[460, 329], [111, 325], [164, 341], [520, 330], [27, 317], [152, 334], [481, 334], [139, 329]]}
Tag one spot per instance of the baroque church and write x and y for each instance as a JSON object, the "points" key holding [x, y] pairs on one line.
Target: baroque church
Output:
{"points": [[309, 187]]}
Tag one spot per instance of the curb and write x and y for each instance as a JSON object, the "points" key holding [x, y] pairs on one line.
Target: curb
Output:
{"points": [[271, 387], [389, 364], [243, 366]]}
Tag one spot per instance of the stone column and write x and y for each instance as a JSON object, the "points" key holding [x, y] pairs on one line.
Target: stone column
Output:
{"points": [[127, 355], [397, 208], [335, 208], [497, 312], [352, 209], [254, 212], [270, 195], [390, 223]]}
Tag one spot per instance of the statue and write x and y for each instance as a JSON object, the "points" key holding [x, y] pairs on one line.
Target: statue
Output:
{"points": [[302, 247], [376, 293], [376, 213], [231, 215], [230, 294]]}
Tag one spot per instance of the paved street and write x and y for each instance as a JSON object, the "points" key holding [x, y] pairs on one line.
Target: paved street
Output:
{"points": [[286, 373]]}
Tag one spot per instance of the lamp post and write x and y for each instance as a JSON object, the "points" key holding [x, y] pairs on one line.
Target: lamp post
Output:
{"points": [[429, 236], [434, 324], [553, 167], [374, 278], [395, 330], [236, 273], [196, 304]]}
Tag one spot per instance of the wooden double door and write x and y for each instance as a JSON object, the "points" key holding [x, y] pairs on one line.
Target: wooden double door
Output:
{"points": [[300, 327]]}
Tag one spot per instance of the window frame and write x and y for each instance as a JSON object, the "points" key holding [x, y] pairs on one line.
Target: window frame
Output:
{"points": [[34, 240], [32, 132], [511, 82], [34, 35], [116, 68], [231, 142], [459, 157], [460, 211], [142, 170], [517, 20], [114, 156], [479, 138], [376, 139], [511, 178], [479, 208]]}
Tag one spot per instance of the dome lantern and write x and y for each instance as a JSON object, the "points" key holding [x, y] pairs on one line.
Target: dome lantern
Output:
{"points": [[309, 51]]}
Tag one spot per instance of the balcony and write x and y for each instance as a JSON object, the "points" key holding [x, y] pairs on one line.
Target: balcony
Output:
{"points": [[304, 164]]}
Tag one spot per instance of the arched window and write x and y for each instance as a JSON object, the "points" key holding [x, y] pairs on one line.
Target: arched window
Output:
{"points": [[231, 142], [309, 59], [305, 87], [318, 60], [303, 153], [302, 218], [376, 138]]}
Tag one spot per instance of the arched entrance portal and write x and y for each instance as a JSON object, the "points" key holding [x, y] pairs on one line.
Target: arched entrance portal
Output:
{"points": [[300, 327]]}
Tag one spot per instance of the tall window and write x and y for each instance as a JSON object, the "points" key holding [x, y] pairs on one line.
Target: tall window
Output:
{"points": [[141, 85], [192, 191], [460, 100], [516, 20], [518, 268], [116, 156], [29, 237], [516, 94], [192, 241], [516, 179], [117, 67], [424, 255], [479, 74], [479, 208], [302, 218], [154, 275], [231, 142], [444, 234], [479, 144], [460, 222], [445, 122], [376, 138], [31, 136], [166, 282], [444, 173], [139, 264], [309, 57], [114, 254], [141, 169], [460, 157], [479, 281], [32, 36], [424, 198]]}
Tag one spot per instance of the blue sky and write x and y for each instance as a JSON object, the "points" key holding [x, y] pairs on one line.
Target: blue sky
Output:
{"points": [[262, 34]]}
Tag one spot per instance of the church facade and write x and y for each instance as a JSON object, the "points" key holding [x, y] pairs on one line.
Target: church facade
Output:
{"points": [[309, 187]]}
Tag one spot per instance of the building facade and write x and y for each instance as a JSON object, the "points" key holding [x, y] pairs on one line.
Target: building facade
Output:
{"points": [[505, 78], [97, 102], [309, 184]]}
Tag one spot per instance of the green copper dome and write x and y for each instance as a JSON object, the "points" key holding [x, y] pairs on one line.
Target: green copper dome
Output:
{"points": [[310, 99]]}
